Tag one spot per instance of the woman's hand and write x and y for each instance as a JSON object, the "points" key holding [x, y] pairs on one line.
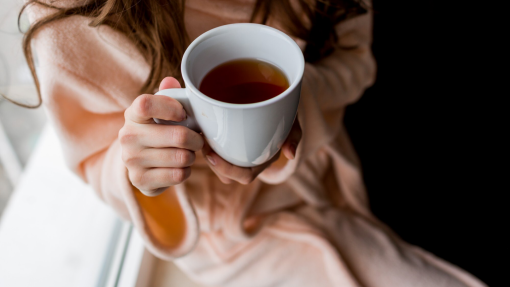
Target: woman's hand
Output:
{"points": [[229, 173], [157, 156]]}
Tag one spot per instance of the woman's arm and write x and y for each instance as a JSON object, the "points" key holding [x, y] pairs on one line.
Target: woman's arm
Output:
{"points": [[89, 77], [341, 78], [86, 85]]}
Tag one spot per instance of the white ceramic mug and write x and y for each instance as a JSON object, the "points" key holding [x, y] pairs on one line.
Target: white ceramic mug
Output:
{"points": [[243, 134]]}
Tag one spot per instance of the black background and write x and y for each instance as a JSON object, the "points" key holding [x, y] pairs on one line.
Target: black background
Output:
{"points": [[427, 136]]}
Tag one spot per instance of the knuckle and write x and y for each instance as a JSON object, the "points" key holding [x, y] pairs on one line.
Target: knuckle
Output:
{"points": [[136, 178], [179, 135], [142, 105], [126, 137], [179, 175], [130, 159], [184, 157]]}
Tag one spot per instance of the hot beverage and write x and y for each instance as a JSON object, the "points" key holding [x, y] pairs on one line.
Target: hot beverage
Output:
{"points": [[244, 81]]}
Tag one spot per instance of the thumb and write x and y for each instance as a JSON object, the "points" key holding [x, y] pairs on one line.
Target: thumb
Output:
{"points": [[169, 83], [290, 146]]}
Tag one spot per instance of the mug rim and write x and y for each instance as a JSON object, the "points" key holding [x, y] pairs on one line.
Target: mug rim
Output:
{"points": [[221, 30]]}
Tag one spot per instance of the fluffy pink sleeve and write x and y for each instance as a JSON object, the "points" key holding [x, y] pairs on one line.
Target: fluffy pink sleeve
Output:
{"points": [[88, 77], [86, 85]]}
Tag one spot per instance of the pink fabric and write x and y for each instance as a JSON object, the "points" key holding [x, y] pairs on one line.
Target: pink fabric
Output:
{"points": [[315, 227]]}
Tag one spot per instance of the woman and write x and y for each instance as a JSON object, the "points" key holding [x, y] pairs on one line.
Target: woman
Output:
{"points": [[301, 220]]}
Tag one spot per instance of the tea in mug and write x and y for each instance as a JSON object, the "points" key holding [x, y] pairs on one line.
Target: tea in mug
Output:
{"points": [[244, 81]]}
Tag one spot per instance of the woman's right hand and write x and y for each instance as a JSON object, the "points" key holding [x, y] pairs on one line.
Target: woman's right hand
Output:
{"points": [[157, 156]]}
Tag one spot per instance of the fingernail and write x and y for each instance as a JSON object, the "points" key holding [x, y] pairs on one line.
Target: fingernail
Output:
{"points": [[211, 159]]}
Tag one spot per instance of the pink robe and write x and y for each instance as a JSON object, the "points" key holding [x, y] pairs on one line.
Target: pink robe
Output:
{"points": [[309, 217]]}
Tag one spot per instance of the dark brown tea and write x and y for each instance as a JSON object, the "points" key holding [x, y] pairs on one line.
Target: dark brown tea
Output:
{"points": [[244, 81]]}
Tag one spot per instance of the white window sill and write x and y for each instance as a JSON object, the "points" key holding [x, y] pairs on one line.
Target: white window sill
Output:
{"points": [[55, 232]]}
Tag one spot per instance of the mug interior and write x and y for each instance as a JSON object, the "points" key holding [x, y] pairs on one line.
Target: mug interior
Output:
{"points": [[238, 41]]}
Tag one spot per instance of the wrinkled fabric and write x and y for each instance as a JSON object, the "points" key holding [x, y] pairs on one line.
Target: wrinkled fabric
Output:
{"points": [[302, 222]]}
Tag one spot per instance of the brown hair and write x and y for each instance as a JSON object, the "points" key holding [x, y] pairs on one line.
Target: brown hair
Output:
{"points": [[157, 28]]}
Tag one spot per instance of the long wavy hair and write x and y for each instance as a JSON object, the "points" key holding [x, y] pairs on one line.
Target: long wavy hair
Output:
{"points": [[158, 30]]}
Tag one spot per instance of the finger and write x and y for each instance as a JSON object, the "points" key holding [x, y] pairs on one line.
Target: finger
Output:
{"points": [[169, 83], [243, 175], [161, 136], [153, 181], [146, 107], [289, 148], [222, 178], [164, 157], [225, 180], [205, 151], [227, 171]]}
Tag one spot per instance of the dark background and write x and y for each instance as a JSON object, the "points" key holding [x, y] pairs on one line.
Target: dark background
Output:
{"points": [[427, 136]]}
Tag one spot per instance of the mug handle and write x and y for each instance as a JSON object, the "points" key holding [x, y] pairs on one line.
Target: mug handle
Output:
{"points": [[181, 96]]}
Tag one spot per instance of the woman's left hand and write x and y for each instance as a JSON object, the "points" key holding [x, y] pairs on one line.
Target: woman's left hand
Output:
{"points": [[229, 173]]}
